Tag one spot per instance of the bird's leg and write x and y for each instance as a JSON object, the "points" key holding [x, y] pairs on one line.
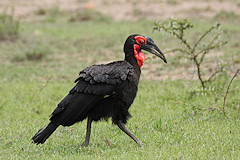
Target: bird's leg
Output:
{"points": [[88, 132], [129, 133]]}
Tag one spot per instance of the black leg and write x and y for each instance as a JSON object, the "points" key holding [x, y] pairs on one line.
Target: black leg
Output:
{"points": [[88, 132], [129, 133]]}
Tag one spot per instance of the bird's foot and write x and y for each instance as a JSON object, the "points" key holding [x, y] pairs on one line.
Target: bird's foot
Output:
{"points": [[140, 144], [85, 144]]}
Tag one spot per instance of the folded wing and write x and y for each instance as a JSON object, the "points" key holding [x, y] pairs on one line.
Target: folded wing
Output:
{"points": [[91, 86]]}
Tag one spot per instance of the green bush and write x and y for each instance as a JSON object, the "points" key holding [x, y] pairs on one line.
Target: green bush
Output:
{"points": [[88, 15], [53, 13], [227, 16], [40, 11], [196, 51], [32, 49], [9, 26]]}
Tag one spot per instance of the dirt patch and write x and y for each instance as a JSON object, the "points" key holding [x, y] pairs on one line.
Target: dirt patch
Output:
{"points": [[127, 9]]}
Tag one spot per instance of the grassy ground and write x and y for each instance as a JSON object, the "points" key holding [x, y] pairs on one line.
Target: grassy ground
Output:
{"points": [[168, 128], [174, 119]]}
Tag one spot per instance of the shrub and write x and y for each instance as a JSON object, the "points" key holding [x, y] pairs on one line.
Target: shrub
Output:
{"points": [[9, 26], [32, 50], [88, 15], [196, 52]]}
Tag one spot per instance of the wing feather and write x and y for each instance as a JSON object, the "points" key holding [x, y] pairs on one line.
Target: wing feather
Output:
{"points": [[102, 79], [94, 82]]}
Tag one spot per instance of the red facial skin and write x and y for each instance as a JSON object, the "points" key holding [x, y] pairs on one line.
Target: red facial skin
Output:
{"points": [[139, 55]]}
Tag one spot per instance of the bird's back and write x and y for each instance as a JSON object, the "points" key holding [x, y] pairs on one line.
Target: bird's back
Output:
{"points": [[101, 91]]}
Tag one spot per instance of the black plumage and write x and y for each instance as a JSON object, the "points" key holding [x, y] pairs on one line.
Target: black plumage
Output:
{"points": [[103, 91]]}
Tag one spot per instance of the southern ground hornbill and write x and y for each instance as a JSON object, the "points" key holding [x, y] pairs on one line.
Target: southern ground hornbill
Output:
{"points": [[103, 91]]}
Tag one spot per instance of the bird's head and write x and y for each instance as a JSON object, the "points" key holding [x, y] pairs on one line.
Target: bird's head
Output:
{"points": [[135, 43]]}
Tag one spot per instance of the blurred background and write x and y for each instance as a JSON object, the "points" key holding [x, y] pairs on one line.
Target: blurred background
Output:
{"points": [[66, 36]]}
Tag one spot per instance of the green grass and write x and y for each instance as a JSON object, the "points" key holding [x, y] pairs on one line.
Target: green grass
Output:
{"points": [[9, 26], [174, 119], [166, 127]]}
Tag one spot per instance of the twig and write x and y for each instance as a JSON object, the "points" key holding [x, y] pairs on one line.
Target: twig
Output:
{"points": [[210, 78], [43, 86], [209, 47], [203, 55], [176, 49], [177, 28], [204, 35], [184, 41], [225, 97], [168, 51], [199, 71], [206, 50]]}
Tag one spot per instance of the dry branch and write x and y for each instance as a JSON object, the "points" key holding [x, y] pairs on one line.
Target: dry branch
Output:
{"points": [[177, 28], [226, 94]]}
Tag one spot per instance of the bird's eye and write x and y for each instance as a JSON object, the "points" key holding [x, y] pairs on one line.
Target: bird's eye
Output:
{"points": [[142, 41]]}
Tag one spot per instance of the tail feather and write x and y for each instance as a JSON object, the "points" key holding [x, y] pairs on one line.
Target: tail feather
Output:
{"points": [[43, 134]]}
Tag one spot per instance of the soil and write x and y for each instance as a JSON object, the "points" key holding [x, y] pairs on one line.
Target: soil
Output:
{"points": [[129, 9]]}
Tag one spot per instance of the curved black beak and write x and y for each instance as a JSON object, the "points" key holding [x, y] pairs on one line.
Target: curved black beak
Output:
{"points": [[151, 47]]}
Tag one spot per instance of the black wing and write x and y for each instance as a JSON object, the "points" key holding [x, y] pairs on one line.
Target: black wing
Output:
{"points": [[102, 79], [93, 84]]}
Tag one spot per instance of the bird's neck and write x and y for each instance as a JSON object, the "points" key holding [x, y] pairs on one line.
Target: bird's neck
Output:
{"points": [[129, 57]]}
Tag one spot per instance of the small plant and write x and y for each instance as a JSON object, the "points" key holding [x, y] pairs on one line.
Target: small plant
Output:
{"points": [[228, 87], [227, 16], [35, 54], [197, 51], [138, 12], [88, 15], [53, 13], [172, 2], [32, 50], [40, 11], [9, 26]]}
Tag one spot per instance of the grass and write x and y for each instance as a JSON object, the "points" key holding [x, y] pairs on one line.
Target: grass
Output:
{"points": [[172, 118], [9, 26], [89, 15], [159, 120]]}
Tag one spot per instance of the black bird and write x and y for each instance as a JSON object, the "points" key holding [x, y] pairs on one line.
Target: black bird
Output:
{"points": [[103, 91]]}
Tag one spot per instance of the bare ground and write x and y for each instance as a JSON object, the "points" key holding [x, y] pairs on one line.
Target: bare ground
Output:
{"points": [[128, 9]]}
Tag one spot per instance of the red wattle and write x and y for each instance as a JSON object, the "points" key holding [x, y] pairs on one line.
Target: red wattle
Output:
{"points": [[140, 59], [139, 55]]}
